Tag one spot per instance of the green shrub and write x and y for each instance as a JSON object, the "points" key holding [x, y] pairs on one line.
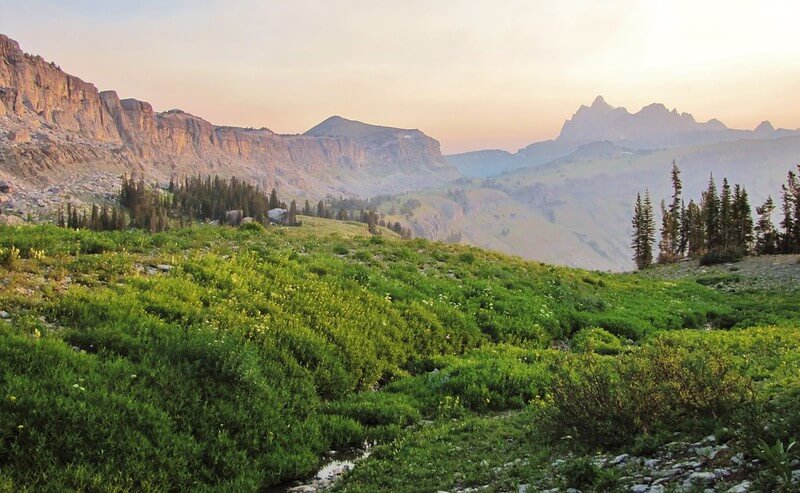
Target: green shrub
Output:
{"points": [[595, 339], [252, 226], [722, 256]]}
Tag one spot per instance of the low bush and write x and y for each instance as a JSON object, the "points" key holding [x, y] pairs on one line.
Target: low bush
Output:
{"points": [[722, 256], [668, 384]]}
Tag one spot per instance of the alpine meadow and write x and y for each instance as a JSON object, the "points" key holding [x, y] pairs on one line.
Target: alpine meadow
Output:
{"points": [[608, 304]]}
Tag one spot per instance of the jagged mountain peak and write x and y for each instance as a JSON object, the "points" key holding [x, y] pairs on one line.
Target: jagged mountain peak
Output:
{"points": [[600, 102]]}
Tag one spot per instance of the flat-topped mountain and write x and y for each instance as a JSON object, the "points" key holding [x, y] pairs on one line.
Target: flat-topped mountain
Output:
{"points": [[55, 126]]}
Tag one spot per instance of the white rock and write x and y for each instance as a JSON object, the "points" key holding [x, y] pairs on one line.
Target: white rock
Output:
{"points": [[742, 487], [640, 488], [657, 489], [620, 459], [702, 477], [4, 314]]}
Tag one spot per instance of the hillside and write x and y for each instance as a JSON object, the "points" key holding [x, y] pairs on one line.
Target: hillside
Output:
{"points": [[58, 131], [219, 358], [576, 210]]}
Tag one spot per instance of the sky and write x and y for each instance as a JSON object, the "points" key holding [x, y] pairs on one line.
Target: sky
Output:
{"points": [[474, 74]]}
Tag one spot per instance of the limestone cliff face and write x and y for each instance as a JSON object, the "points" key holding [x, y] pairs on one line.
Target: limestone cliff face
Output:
{"points": [[72, 124]]}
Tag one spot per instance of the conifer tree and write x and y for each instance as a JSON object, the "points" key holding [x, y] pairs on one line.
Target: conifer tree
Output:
{"points": [[274, 203], [695, 241], [788, 221], [741, 220], [307, 209], [726, 216], [766, 235], [711, 217], [643, 231]]}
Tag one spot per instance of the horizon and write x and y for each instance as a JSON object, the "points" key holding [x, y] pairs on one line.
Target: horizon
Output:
{"points": [[239, 64]]}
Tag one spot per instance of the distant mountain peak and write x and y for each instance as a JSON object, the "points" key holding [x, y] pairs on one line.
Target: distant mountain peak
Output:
{"points": [[653, 126], [599, 101], [764, 126]]}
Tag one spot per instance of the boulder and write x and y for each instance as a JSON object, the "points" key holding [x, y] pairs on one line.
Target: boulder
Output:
{"points": [[11, 220]]}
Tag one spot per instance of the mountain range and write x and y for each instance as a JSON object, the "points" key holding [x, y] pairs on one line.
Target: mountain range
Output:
{"points": [[565, 201], [651, 128]]}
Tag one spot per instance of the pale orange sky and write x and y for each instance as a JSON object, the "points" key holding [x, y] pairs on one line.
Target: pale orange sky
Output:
{"points": [[473, 74]]}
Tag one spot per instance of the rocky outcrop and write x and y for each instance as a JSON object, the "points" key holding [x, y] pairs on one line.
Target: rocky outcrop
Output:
{"points": [[56, 123]]}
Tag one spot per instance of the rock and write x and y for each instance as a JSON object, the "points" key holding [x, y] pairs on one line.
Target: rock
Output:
{"points": [[721, 473], [5, 187], [742, 487], [657, 489], [796, 476], [523, 488], [4, 314], [306, 488], [651, 463], [247, 220], [640, 488], [702, 477], [619, 460], [738, 459], [11, 220], [164, 267]]}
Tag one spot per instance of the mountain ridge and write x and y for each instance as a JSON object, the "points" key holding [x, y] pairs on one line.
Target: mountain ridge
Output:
{"points": [[653, 127], [54, 124]]}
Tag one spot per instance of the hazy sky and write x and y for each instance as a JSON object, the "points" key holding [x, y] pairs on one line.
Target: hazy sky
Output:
{"points": [[474, 74]]}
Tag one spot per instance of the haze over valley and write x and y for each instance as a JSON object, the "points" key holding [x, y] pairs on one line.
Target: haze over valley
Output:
{"points": [[564, 201]]}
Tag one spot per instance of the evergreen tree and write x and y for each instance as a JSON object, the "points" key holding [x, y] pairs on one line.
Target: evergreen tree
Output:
{"points": [[643, 231], [726, 216], [766, 235], [741, 220], [695, 241], [321, 209], [788, 221], [711, 217], [274, 203], [307, 209]]}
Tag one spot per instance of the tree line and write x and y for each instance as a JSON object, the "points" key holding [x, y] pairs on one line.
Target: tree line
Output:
{"points": [[719, 227], [206, 198]]}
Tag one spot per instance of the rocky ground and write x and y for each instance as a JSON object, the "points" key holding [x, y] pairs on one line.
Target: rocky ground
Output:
{"points": [[43, 203], [763, 273]]}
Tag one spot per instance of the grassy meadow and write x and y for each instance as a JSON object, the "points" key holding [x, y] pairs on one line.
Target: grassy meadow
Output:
{"points": [[227, 359]]}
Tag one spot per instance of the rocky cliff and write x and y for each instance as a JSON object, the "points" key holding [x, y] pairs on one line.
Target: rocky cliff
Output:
{"points": [[54, 126]]}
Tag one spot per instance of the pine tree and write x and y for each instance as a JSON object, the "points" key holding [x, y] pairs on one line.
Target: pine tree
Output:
{"points": [[292, 219], [695, 241], [643, 232], [674, 218], [307, 209], [321, 209], [788, 221], [711, 217], [726, 216], [274, 203], [766, 235], [741, 220]]}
